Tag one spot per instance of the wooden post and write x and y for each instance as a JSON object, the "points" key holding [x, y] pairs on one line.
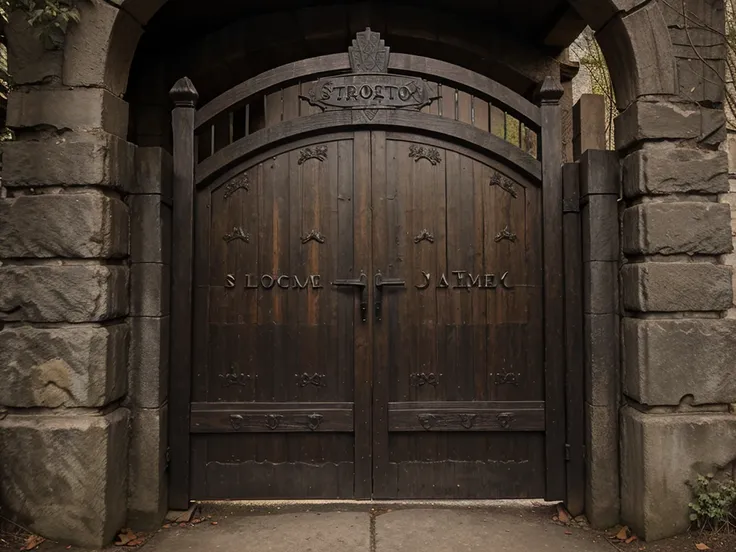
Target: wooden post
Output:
{"points": [[575, 368], [554, 287], [185, 97]]}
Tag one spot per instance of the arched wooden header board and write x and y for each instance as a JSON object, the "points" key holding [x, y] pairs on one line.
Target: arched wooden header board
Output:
{"points": [[367, 285]]}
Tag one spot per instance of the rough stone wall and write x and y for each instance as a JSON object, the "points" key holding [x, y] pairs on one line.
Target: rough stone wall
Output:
{"points": [[78, 288], [679, 346]]}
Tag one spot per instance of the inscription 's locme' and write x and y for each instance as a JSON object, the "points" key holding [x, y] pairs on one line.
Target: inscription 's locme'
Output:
{"points": [[268, 281]]}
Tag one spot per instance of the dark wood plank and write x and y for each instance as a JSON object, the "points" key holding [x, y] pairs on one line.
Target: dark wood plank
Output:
{"points": [[554, 304], [272, 418], [464, 419], [315, 68], [575, 383], [184, 96], [337, 121]]}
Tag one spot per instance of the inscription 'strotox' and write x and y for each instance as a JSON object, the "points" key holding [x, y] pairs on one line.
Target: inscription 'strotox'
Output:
{"points": [[370, 87]]}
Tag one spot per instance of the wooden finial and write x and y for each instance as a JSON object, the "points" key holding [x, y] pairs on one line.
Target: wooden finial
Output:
{"points": [[183, 93], [551, 90]]}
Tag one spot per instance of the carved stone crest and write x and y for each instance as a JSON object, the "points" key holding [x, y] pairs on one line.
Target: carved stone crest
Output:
{"points": [[369, 53]]}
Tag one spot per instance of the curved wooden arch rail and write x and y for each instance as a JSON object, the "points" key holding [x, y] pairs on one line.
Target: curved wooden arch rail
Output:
{"points": [[406, 64], [337, 121]]}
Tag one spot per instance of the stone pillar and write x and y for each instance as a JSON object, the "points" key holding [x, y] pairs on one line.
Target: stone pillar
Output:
{"points": [[589, 125], [64, 334], [600, 189], [150, 258], [679, 348]]}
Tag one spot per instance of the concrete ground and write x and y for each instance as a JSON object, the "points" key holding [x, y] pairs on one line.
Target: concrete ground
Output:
{"points": [[506, 527]]}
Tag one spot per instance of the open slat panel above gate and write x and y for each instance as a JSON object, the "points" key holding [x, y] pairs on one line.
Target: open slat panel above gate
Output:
{"points": [[279, 96]]}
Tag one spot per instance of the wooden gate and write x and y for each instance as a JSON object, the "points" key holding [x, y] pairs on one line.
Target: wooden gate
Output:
{"points": [[368, 288]]}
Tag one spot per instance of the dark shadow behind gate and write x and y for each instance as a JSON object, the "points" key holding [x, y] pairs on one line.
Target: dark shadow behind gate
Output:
{"points": [[212, 145]]}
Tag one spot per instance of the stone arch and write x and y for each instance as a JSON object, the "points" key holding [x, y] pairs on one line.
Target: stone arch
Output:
{"points": [[632, 33]]}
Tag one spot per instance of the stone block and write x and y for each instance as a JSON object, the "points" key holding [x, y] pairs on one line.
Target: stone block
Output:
{"points": [[660, 455], [713, 126], [693, 228], [672, 287], [154, 172], [71, 159], [66, 293], [731, 143], [150, 289], [600, 173], [147, 492], [602, 379], [660, 169], [149, 361], [141, 10], [72, 366], [150, 236], [87, 226], [639, 53], [65, 477], [100, 48], [28, 60], [600, 228], [645, 120], [600, 287], [602, 495], [598, 14], [68, 109], [589, 123], [667, 360]]}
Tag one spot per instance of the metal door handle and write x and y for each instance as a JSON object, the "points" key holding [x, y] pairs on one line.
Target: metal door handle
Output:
{"points": [[362, 284], [381, 283]]}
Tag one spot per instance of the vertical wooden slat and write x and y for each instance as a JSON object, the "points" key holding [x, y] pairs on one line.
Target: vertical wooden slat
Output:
{"points": [[185, 97], [573, 338], [363, 338], [554, 304]]}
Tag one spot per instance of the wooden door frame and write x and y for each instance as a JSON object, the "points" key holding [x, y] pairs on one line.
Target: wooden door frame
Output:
{"points": [[229, 161]]}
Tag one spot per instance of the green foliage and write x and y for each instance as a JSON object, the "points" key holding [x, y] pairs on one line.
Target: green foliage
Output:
{"points": [[714, 504], [48, 18]]}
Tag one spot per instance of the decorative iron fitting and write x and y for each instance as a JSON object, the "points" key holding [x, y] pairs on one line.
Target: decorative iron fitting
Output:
{"points": [[424, 235], [319, 153], [420, 152], [237, 234], [422, 379], [505, 234], [240, 182], [314, 235], [305, 380], [505, 184]]}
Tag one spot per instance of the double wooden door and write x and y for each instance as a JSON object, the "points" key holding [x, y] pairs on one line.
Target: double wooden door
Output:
{"points": [[369, 323]]}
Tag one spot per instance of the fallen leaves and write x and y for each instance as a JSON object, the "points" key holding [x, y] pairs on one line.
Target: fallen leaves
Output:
{"points": [[129, 539], [623, 533], [702, 546], [563, 515], [33, 542]]}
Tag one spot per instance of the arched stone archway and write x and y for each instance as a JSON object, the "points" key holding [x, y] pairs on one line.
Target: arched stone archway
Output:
{"points": [[72, 124]]}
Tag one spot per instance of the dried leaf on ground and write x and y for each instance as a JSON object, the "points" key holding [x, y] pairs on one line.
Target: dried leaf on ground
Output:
{"points": [[124, 537], [623, 534], [631, 539], [563, 515], [33, 542], [702, 546], [137, 542]]}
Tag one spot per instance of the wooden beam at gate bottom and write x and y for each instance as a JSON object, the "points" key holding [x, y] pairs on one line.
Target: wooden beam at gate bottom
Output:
{"points": [[575, 378], [184, 96]]}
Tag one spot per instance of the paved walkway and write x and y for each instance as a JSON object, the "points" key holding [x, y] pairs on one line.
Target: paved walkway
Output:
{"points": [[394, 528]]}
